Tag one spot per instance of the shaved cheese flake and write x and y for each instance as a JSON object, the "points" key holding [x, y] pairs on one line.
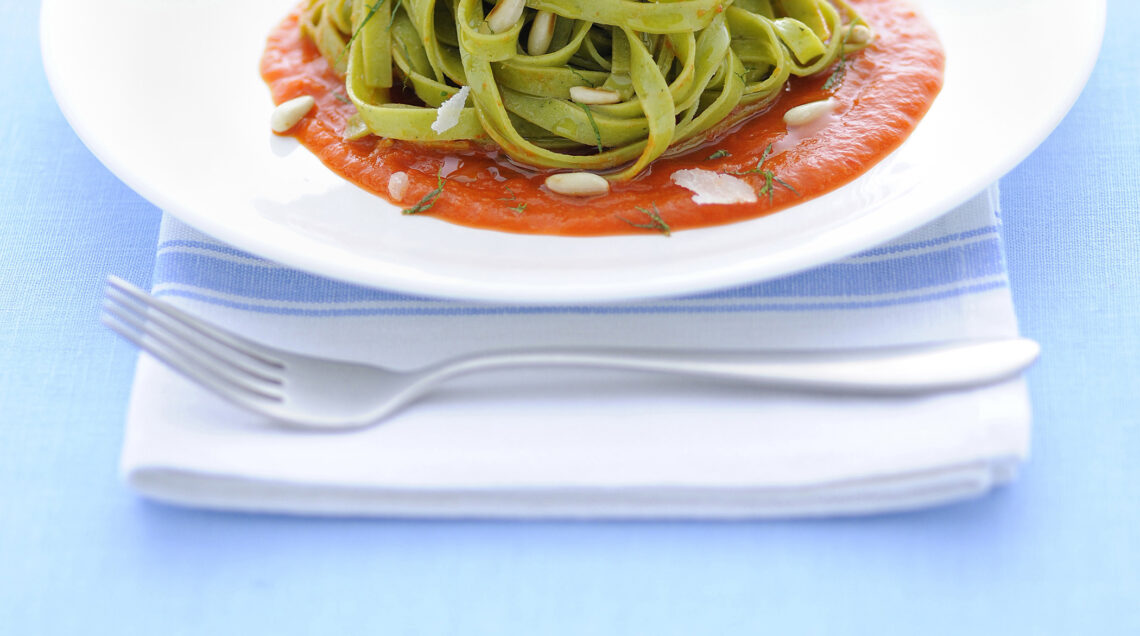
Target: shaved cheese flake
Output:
{"points": [[712, 187], [447, 115]]}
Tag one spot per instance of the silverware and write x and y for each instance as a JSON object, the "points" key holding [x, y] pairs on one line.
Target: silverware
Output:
{"points": [[315, 393]]}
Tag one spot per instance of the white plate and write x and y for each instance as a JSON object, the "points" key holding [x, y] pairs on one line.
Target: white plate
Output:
{"points": [[168, 96]]}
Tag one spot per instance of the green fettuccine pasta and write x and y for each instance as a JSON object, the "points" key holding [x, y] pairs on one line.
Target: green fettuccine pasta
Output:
{"points": [[674, 71]]}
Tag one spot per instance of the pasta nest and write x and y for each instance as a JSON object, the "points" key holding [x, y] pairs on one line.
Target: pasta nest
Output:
{"points": [[679, 72]]}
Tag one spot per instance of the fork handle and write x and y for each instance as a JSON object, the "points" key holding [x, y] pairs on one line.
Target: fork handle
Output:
{"points": [[895, 370]]}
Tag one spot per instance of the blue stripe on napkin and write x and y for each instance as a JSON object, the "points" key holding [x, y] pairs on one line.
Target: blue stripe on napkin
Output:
{"points": [[953, 257], [490, 310]]}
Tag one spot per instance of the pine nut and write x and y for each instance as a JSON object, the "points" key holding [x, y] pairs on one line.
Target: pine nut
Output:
{"points": [[859, 34], [541, 32], [578, 184], [505, 15], [290, 113], [398, 185], [593, 96], [807, 113]]}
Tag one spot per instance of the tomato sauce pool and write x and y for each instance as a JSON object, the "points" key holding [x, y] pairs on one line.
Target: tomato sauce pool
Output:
{"points": [[886, 89]]}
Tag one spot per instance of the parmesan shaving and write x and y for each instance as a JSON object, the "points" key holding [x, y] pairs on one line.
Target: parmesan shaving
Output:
{"points": [[447, 115], [711, 187]]}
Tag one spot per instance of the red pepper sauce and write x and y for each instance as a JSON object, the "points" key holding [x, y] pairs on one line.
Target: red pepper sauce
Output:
{"points": [[885, 90]]}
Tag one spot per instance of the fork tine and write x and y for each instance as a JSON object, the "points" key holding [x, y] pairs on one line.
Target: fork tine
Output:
{"points": [[233, 393], [183, 359], [246, 347], [236, 360]]}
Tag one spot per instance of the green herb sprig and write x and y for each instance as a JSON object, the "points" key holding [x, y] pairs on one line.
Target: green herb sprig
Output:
{"points": [[510, 192], [770, 178], [719, 154], [395, 10], [517, 209], [594, 125], [655, 221], [368, 16], [758, 168], [840, 72], [581, 77], [430, 198]]}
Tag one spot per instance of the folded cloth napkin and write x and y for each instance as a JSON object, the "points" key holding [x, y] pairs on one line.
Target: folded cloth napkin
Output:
{"points": [[570, 443]]}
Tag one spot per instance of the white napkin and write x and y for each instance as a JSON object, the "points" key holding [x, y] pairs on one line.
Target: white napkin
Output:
{"points": [[590, 444]]}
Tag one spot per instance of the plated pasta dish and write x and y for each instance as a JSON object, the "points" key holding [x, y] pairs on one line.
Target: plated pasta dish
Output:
{"points": [[599, 117]]}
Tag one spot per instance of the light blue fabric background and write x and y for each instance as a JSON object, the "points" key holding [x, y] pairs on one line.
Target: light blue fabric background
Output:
{"points": [[1057, 553]]}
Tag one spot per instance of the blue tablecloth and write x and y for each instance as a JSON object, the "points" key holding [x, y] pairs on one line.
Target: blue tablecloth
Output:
{"points": [[1056, 553]]}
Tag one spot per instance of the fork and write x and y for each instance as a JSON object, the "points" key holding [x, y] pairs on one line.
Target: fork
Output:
{"points": [[320, 394]]}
